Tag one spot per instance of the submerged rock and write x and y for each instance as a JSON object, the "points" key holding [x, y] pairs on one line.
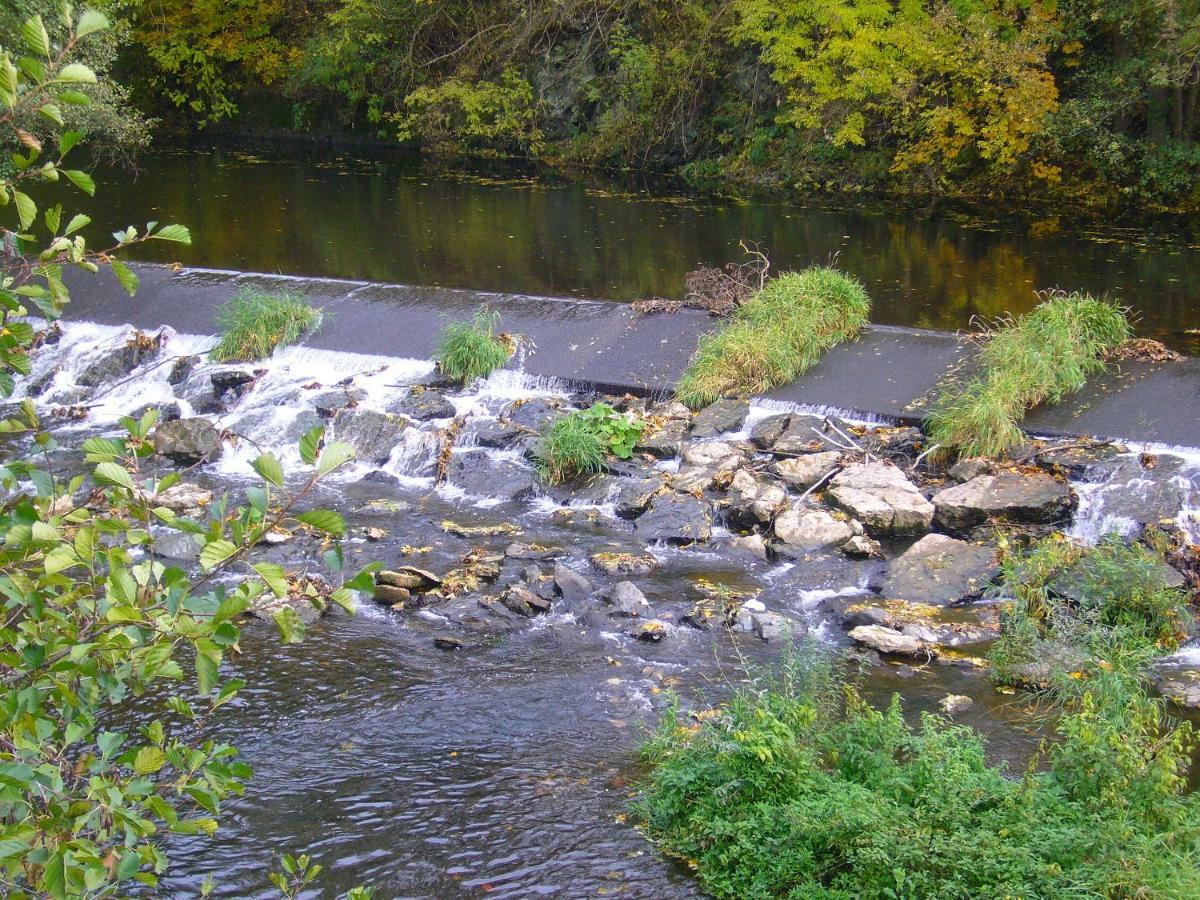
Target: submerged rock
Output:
{"points": [[423, 405], [229, 381], [482, 475], [188, 441], [804, 528], [1007, 497], [882, 498], [332, 402], [496, 434], [534, 413], [371, 433], [519, 550], [954, 704], [677, 519], [940, 570], [116, 362], [720, 417]]}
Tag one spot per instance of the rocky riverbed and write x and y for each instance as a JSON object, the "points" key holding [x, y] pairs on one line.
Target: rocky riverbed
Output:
{"points": [[730, 532]]}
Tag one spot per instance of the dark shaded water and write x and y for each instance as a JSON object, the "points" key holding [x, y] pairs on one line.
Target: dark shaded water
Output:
{"points": [[397, 220]]}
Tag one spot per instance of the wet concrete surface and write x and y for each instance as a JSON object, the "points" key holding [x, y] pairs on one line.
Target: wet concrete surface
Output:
{"points": [[887, 372]]}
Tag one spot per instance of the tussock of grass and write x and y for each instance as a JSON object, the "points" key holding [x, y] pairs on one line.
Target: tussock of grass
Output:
{"points": [[1039, 358], [470, 350], [776, 336], [799, 789], [570, 448], [253, 323]]}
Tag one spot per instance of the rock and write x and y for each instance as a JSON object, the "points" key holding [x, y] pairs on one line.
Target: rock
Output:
{"points": [[652, 631], [1081, 463], [634, 495], [188, 441], [940, 570], [332, 402], [720, 417], [663, 441], [754, 500], [409, 581], [483, 475], [802, 435], [573, 586], [177, 545], [802, 472], [497, 434], [448, 642], [767, 431], [953, 704], [1180, 686], [391, 594], [182, 368], [374, 534], [677, 519], [228, 380], [617, 563], [1073, 583], [771, 626], [480, 614], [533, 414], [703, 463], [524, 602], [372, 434], [862, 547], [167, 412], [113, 362], [750, 546], [184, 498], [423, 405], [888, 640], [803, 528], [1008, 497], [1144, 490], [625, 599], [882, 498], [972, 467], [520, 550]]}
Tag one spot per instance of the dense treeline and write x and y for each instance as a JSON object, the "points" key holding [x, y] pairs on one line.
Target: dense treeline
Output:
{"points": [[1093, 100]]}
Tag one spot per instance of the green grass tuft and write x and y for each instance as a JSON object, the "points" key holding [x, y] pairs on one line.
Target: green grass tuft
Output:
{"points": [[470, 350], [253, 323], [577, 443], [798, 789], [776, 336], [1039, 358]]}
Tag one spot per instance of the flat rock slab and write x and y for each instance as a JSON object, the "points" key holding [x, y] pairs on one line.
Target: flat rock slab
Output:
{"points": [[1009, 497], [677, 519], [881, 497], [940, 570]]}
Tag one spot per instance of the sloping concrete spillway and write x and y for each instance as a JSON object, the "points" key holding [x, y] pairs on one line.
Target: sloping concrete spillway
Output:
{"points": [[889, 372]]}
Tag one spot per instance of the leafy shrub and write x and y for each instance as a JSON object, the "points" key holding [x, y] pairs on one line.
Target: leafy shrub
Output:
{"points": [[776, 336], [1039, 358], [254, 323], [470, 350], [795, 790], [577, 443]]}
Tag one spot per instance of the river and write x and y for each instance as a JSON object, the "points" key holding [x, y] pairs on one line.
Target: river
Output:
{"points": [[394, 218]]}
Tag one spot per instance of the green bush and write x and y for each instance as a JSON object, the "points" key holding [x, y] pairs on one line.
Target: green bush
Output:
{"points": [[776, 336], [253, 323], [1039, 358], [577, 443], [796, 790], [470, 350]]}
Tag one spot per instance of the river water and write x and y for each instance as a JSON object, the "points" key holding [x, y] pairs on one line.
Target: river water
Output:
{"points": [[396, 219]]}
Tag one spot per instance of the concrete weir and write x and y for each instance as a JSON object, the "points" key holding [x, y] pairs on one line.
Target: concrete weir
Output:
{"points": [[889, 372]]}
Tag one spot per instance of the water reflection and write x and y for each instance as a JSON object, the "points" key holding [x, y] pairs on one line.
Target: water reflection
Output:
{"points": [[395, 219]]}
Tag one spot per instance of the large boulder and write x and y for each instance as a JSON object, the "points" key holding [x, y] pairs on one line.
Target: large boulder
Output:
{"points": [[890, 641], [1008, 497], [704, 462], [371, 433], [423, 405], [720, 417], [802, 435], [663, 440], [1140, 491], [940, 570], [803, 528], [677, 519], [754, 499], [481, 474], [116, 361], [188, 441], [534, 413], [880, 496], [802, 472]]}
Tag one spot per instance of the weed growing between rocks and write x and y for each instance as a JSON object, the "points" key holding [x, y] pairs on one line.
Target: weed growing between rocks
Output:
{"points": [[1040, 357], [777, 336], [470, 350], [253, 323], [1077, 610], [578, 443], [800, 789]]}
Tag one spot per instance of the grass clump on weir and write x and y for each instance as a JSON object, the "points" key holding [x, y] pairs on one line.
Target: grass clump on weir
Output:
{"points": [[1038, 358], [799, 788], [776, 336], [472, 349], [579, 442], [253, 323]]}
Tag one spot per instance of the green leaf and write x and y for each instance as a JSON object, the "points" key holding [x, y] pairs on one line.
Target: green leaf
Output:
{"points": [[79, 220], [26, 209], [335, 455], [325, 520], [112, 473], [275, 577], [291, 629], [208, 660], [54, 873], [149, 760], [216, 552], [230, 608], [76, 73], [125, 276], [268, 466], [59, 558], [81, 180], [310, 445], [90, 22], [67, 140], [36, 37], [54, 114], [177, 233]]}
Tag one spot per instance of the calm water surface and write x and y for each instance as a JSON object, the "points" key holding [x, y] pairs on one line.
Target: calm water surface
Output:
{"points": [[399, 220]]}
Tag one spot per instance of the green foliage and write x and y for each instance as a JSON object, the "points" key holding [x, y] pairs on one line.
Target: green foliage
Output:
{"points": [[577, 443], [253, 323], [776, 336], [470, 350], [1078, 609], [1039, 358], [793, 791], [483, 115]]}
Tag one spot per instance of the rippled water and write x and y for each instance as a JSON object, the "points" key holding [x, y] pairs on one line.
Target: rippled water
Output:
{"points": [[394, 219]]}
